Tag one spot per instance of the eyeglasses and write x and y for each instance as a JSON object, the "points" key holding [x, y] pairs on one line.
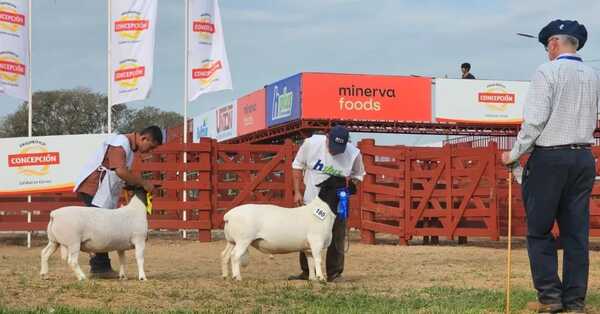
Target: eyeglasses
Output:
{"points": [[550, 40]]}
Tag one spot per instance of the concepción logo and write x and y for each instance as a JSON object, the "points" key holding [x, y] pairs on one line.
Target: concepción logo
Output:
{"points": [[11, 68], [496, 97], [204, 28], [11, 20], [33, 159], [130, 26], [128, 74], [207, 72]]}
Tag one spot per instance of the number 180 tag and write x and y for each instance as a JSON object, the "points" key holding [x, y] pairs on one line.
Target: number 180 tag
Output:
{"points": [[319, 213]]}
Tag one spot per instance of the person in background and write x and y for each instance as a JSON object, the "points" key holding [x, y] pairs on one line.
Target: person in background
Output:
{"points": [[465, 69]]}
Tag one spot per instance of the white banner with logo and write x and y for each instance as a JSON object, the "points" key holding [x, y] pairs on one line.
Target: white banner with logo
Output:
{"points": [[14, 48], [205, 125], [479, 101], [133, 24], [226, 122], [44, 163], [207, 57]]}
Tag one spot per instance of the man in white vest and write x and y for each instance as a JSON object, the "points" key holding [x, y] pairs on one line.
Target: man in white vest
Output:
{"points": [[319, 157], [103, 177]]}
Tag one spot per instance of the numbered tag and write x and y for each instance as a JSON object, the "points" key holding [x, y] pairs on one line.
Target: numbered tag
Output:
{"points": [[321, 214]]}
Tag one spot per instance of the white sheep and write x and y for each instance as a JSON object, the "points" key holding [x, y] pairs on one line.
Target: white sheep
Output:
{"points": [[277, 230], [93, 230]]}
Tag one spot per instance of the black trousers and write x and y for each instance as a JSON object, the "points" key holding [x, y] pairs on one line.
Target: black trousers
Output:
{"points": [[99, 262], [557, 185], [334, 261]]}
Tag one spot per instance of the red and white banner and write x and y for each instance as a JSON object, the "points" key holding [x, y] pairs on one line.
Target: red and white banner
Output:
{"points": [[133, 24], [480, 101], [44, 163], [207, 57], [14, 48]]}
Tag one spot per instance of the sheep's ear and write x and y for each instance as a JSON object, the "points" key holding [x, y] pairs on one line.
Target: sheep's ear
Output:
{"points": [[322, 184]]}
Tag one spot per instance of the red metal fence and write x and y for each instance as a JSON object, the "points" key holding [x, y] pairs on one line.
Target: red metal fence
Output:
{"points": [[408, 192], [428, 192]]}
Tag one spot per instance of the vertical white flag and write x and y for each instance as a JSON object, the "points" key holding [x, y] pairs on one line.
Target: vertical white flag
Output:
{"points": [[208, 68], [133, 24], [14, 48]]}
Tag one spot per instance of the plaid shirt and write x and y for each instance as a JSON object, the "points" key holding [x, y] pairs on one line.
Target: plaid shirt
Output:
{"points": [[561, 106]]}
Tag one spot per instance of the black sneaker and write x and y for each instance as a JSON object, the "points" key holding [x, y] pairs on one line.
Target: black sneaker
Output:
{"points": [[301, 276], [334, 278], [110, 274], [574, 309]]}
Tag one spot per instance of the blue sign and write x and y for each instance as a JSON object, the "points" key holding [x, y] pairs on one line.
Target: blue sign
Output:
{"points": [[283, 101]]}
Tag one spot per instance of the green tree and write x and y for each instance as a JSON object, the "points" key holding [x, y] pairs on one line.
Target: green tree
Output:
{"points": [[136, 120], [80, 111]]}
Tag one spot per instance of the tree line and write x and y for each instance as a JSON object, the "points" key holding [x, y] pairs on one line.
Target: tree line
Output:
{"points": [[81, 111]]}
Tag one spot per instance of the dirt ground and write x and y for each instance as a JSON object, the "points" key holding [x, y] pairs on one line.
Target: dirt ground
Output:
{"points": [[186, 273]]}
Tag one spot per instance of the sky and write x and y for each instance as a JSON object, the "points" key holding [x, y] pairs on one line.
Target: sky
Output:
{"points": [[268, 40]]}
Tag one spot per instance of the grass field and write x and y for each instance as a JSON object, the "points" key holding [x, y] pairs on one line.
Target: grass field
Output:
{"points": [[184, 276]]}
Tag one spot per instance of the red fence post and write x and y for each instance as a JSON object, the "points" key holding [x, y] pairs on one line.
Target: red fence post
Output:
{"points": [[367, 236], [288, 151]]}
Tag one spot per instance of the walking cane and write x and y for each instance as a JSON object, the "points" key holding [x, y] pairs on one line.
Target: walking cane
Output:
{"points": [[509, 241]]}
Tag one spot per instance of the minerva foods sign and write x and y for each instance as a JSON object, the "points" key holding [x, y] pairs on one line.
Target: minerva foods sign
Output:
{"points": [[480, 101], [45, 163], [366, 97]]}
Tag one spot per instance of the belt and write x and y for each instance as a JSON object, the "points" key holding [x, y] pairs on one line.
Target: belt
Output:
{"points": [[567, 146]]}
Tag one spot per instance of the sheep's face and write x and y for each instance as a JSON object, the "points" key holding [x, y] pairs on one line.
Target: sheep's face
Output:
{"points": [[138, 192], [141, 194], [329, 187]]}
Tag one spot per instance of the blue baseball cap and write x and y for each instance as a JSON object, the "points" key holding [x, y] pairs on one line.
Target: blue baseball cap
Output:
{"points": [[338, 138], [563, 27]]}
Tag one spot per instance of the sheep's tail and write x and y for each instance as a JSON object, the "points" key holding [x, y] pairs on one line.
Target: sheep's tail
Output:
{"points": [[63, 252], [245, 259], [228, 237], [52, 238], [49, 232]]}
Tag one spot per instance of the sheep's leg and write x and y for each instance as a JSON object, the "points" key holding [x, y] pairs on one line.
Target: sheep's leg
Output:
{"points": [[73, 259], [122, 275], [139, 256], [46, 253], [226, 259], [311, 265], [318, 265], [316, 247], [239, 250]]}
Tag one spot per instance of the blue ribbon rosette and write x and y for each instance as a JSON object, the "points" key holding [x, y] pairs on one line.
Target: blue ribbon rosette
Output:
{"points": [[342, 209]]}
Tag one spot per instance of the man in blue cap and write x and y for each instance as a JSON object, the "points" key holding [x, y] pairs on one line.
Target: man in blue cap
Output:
{"points": [[319, 157], [559, 119]]}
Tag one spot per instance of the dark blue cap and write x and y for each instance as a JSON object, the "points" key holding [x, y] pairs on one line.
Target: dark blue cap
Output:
{"points": [[338, 138], [563, 27]]}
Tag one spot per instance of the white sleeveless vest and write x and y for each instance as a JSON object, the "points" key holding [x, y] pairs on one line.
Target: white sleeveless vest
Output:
{"points": [[109, 188]]}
